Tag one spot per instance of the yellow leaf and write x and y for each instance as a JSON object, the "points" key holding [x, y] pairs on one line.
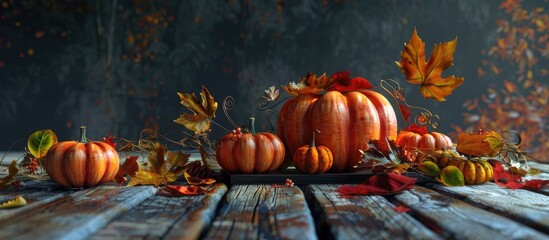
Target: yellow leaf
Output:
{"points": [[428, 74], [486, 144], [151, 178], [40, 142], [12, 170], [202, 112], [18, 201]]}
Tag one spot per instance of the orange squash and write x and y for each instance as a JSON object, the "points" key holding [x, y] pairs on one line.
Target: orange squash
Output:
{"points": [[81, 164], [427, 142], [312, 159], [347, 120], [250, 153]]}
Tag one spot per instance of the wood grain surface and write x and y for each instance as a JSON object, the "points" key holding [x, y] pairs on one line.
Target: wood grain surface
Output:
{"points": [[263, 212]]}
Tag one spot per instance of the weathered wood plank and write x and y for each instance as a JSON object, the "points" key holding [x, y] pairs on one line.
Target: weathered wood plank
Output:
{"points": [[263, 212], [455, 219], [74, 216], [361, 217], [36, 192], [528, 207], [166, 217]]}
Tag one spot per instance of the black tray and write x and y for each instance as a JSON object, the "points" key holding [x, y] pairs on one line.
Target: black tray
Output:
{"points": [[300, 178]]}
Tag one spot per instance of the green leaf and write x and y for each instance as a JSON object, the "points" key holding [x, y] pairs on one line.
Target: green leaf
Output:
{"points": [[429, 168], [40, 142], [452, 176]]}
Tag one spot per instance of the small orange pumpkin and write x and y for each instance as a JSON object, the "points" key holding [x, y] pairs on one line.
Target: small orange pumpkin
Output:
{"points": [[81, 164], [312, 159], [250, 153], [429, 141]]}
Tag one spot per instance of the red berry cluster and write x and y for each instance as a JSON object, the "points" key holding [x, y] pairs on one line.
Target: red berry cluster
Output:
{"points": [[237, 133], [482, 131], [289, 183], [32, 167]]}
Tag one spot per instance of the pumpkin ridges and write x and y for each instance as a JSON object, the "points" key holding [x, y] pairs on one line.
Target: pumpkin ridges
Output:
{"points": [[363, 118], [74, 164], [311, 166], [264, 150], [278, 150], [291, 119], [224, 155], [54, 163], [332, 119], [244, 153], [469, 172], [325, 159], [427, 142], [385, 111]]}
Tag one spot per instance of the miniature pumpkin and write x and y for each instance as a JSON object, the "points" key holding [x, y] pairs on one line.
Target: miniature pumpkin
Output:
{"points": [[250, 152], [312, 159], [81, 164], [476, 171], [348, 121], [424, 141]]}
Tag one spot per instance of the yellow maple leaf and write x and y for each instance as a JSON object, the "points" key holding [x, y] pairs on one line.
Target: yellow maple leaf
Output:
{"points": [[203, 112], [162, 167], [428, 74], [309, 84]]}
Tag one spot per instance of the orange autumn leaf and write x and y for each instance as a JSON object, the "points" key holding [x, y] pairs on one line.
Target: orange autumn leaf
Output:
{"points": [[182, 190], [309, 84], [428, 74], [203, 112], [162, 167], [197, 181], [487, 143], [129, 167]]}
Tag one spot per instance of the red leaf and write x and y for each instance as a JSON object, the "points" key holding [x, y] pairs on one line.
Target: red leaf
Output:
{"points": [[513, 181], [535, 183], [129, 167], [343, 83], [389, 183], [405, 112], [182, 190], [402, 209], [109, 140], [421, 130]]}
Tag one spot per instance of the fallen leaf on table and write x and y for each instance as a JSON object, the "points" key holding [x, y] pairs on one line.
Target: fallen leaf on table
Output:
{"points": [[508, 179], [428, 74], [402, 209], [18, 201], [129, 167], [162, 167], [197, 181], [12, 170], [182, 190], [386, 184]]}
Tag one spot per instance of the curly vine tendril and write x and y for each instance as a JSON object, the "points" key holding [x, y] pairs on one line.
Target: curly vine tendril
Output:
{"points": [[424, 117]]}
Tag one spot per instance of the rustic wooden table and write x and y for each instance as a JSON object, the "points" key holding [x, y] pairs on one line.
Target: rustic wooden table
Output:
{"points": [[265, 212]]}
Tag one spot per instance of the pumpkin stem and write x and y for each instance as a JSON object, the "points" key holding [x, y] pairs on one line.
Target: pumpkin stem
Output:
{"points": [[83, 138], [252, 125], [313, 143]]}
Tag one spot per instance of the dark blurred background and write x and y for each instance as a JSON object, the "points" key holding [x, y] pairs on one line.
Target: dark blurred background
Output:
{"points": [[116, 66]]}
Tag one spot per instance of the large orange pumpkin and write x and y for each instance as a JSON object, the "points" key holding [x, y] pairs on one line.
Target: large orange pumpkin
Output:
{"points": [[347, 120], [81, 164], [250, 153]]}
